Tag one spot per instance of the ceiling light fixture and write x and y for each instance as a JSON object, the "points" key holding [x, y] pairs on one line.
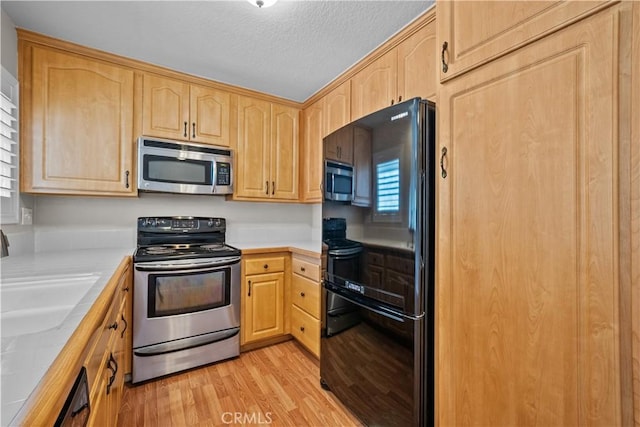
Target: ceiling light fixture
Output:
{"points": [[262, 3]]}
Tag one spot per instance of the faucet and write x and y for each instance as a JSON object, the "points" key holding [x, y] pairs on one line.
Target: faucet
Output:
{"points": [[5, 244]]}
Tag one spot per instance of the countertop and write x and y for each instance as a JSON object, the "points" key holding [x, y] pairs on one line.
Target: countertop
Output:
{"points": [[26, 358]]}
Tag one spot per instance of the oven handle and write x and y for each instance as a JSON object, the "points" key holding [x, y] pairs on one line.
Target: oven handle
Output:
{"points": [[344, 252], [166, 266]]}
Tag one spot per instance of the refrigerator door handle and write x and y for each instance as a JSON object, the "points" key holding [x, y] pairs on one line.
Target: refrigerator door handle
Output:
{"points": [[398, 317]]}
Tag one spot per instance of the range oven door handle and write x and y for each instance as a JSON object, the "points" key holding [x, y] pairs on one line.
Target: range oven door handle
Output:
{"points": [[344, 252], [187, 264]]}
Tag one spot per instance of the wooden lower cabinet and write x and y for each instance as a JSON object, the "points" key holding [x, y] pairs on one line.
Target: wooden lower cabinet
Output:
{"points": [[305, 302], [263, 298], [527, 297]]}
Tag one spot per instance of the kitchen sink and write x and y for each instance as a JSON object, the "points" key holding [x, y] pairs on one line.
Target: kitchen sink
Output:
{"points": [[36, 304]]}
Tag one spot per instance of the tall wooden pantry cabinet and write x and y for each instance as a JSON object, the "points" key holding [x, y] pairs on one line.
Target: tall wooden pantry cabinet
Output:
{"points": [[531, 299]]}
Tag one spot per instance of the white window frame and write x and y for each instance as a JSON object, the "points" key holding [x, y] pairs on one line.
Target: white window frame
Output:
{"points": [[384, 157], [11, 205]]}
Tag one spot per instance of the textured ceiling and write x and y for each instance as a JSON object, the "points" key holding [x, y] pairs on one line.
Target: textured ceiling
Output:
{"points": [[291, 49]]}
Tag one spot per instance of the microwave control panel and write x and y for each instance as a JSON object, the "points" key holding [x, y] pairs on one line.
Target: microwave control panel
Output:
{"points": [[223, 175]]}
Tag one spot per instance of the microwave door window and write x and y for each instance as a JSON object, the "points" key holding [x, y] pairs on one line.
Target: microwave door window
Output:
{"points": [[168, 169]]}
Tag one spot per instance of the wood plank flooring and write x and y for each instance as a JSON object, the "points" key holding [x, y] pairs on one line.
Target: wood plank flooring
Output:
{"points": [[276, 385]]}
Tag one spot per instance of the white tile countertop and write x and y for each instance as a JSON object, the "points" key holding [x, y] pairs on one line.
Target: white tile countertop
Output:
{"points": [[27, 352]]}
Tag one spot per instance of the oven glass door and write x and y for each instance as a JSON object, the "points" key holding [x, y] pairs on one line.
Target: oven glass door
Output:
{"points": [[182, 293], [180, 171]]}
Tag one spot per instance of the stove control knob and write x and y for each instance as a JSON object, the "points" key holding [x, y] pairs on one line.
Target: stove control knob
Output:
{"points": [[210, 223], [217, 222], [153, 222]]}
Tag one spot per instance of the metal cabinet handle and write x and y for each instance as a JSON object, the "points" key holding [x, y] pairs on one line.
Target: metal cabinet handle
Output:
{"points": [[445, 66], [126, 177], [273, 187], [185, 129], [266, 266], [114, 326], [400, 98], [392, 101], [126, 325], [302, 294], [267, 185], [194, 130], [113, 369], [126, 289], [302, 269], [444, 153], [249, 289], [302, 328]]}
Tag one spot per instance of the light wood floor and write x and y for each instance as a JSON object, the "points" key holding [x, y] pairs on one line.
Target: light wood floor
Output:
{"points": [[276, 385]]}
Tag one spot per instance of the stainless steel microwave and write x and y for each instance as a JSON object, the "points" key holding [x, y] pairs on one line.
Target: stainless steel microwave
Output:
{"points": [[338, 181], [180, 167]]}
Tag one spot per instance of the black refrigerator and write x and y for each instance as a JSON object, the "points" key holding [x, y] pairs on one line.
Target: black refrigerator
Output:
{"points": [[376, 351]]}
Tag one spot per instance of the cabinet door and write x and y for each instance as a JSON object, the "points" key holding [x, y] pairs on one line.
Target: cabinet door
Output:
{"points": [[479, 31], [527, 285], [78, 126], [374, 87], [285, 135], [337, 108], [209, 115], [339, 145], [311, 158], [362, 165], [253, 149], [264, 311], [417, 73], [165, 107]]}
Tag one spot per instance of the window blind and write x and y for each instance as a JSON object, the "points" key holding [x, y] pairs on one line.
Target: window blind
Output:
{"points": [[8, 145], [388, 186]]}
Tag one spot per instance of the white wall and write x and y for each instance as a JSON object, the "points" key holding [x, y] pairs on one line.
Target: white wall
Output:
{"points": [[72, 222]]}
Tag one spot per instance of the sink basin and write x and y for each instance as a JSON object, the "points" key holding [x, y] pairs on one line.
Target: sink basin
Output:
{"points": [[32, 305]]}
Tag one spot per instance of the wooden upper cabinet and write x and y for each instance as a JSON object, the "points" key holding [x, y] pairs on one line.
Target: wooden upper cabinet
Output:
{"points": [[417, 62], [267, 151], [406, 71], [175, 109], [77, 124], [471, 41], [337, 108], [528, 293], [374, 87], [338, 146], [362, 167], [284, 152], [311, 153]]}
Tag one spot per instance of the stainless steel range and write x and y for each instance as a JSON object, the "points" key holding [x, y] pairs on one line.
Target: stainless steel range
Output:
{"points": [[186, 305]]}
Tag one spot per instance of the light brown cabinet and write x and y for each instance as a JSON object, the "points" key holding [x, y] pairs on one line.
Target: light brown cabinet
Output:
{"points": [[320, 119], [267, 151], [473, 33], [527, 254], [263, 298], [305, 302], [179, 110], [77, 124], [404, 72]]}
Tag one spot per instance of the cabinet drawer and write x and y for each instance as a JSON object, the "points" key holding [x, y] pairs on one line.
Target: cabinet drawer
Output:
{"points": [[374, 258], [306, 295], [306, 329], [264, 265], [100, 338], [306, 269]]}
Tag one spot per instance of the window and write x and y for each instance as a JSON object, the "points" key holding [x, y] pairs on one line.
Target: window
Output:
{"points": [[388, 186], [9, 196]]}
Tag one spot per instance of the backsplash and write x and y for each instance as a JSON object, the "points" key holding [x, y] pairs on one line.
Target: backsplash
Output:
{"points": [[67, 223]]}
